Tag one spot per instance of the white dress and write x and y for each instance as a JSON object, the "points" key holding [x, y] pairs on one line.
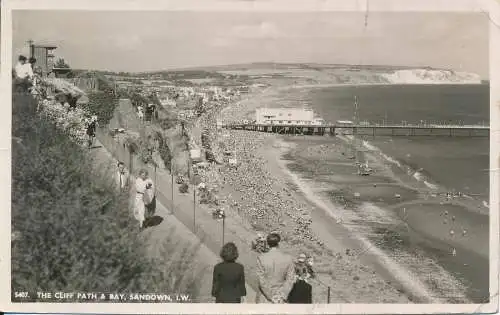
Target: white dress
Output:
{"points": [[139, 208]]}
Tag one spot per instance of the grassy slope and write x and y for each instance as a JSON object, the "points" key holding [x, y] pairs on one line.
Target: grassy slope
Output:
{"points": [[75, 230]]}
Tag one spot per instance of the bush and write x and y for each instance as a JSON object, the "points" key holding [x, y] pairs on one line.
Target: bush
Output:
{"points": [[165, 152], [103, 105], [75, 232], [167, 123], [137, 99], [183, 188]]}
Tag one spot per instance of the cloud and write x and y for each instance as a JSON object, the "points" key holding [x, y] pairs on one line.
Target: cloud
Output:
{"points": [[264, 30], [124, 42], [260, 31], [221, 42]]}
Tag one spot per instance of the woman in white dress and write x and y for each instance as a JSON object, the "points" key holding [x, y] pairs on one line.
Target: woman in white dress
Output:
{"points": [[143, 185]]}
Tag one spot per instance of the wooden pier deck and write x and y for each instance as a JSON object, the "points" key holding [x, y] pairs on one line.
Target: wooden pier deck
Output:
{"points": [[369, 130]]}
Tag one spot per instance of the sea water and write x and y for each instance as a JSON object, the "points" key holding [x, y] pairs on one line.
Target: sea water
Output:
{"points": [[458, 164]]}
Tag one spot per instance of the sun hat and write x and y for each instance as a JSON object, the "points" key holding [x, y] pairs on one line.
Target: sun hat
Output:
{"points": [[302, 258]]}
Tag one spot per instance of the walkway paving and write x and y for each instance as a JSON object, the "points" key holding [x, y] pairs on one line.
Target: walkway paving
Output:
{"points": [[153, 236]]}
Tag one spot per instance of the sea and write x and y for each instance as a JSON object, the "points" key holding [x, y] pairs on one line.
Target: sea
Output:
{"points": [[455, 164]]}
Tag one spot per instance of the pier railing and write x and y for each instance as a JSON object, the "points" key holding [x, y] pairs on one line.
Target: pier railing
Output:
{"points": [[368, 129]]}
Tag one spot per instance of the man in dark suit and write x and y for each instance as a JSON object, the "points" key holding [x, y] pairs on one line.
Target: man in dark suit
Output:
{"points": [[122, 177]]}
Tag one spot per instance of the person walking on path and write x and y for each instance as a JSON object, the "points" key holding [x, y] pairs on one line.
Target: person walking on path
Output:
{"points": [[122, 177], [276, 273], [91, 130], [228, 285], [144, 192]]}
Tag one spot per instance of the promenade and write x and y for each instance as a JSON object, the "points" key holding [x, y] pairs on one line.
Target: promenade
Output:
{"points": [[153, 236]]}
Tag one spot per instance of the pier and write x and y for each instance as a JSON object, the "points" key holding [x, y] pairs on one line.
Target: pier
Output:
{"points": [[369, 130]]}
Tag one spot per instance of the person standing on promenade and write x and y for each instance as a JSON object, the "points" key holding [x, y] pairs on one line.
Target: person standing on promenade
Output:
{"points": [[301, 292], [31, 63], [144, 190], [23, 75], [228, 285], [34, 79], [276, 273], [122, 177]]}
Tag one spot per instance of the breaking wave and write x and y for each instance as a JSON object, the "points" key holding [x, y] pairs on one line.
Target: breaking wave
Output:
{"points": [[413, 170]]}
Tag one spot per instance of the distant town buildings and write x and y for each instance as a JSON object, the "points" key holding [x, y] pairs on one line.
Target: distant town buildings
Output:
{"points": [[186, 114]]}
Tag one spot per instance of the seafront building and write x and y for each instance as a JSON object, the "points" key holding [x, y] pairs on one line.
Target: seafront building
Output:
{"points": [[286, 116]]}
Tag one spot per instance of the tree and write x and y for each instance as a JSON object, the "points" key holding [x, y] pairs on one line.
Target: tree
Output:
{"points": [[60, 63], [199, 107], [153, 98]]}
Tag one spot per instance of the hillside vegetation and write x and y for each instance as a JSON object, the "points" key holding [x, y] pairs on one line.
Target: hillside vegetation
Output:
{"points": [[71, 230]]}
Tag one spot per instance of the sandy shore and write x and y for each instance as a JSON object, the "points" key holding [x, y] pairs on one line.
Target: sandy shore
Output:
{"points": [[387, 210], [339, 229], [260, 186]]}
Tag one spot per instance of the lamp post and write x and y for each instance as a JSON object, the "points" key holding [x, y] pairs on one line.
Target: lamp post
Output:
{"points": [[219, 214], [155, 174], [194, 208], [172, 183], [223, 214]]}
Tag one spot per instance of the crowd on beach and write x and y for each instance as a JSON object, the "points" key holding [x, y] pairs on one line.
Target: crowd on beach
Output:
{"points": [[281, 279], [261, 198], [265, 201], [287, 284]]}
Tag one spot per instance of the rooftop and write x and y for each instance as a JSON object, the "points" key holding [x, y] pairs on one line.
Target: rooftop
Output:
{"points": [[44, 44]]}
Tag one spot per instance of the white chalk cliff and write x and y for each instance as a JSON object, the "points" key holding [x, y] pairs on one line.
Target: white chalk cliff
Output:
{"points": [[431, 76]]}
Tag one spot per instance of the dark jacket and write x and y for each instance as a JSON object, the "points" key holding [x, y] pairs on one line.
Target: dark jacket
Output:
{"points": [[91, 128], [301, 293], [228, 284]]}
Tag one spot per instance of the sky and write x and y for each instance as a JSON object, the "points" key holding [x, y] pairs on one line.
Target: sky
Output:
{"points": [[159, 40]]}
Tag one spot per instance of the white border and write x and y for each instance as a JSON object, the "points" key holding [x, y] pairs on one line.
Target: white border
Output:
{"points": [[486, 6]]}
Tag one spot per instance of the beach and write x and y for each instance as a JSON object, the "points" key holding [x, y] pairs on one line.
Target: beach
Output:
{"points": [[417, 233]]}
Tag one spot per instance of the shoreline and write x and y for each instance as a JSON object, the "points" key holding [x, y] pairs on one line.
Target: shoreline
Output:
{"points": [[255, 187], [368, 253], [247, 105], [422, 227]]}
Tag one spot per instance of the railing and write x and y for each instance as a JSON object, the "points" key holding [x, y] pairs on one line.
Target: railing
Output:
{"points": [[186, 208], [422, 126]]}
